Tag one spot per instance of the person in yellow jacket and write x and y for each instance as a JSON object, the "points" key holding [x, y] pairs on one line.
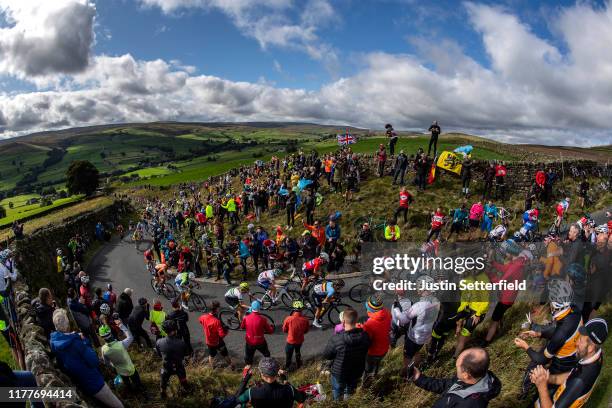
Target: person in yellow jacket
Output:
{"points": [[157, 316], [230, 206], [392, 231], [552, 261], [472, 310]]}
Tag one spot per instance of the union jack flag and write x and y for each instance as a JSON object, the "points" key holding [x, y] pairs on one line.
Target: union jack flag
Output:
{"points": [[346, 139]]}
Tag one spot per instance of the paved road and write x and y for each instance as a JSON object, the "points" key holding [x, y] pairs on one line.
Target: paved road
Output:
{"points": [[121, 264]]}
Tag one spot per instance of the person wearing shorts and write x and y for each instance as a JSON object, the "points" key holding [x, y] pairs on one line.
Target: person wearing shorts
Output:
{"points": [[234, 298], [214, 333]]}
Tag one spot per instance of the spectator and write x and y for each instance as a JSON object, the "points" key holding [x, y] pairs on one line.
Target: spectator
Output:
{"points": [[381, 157], [125, 305], [8, 271], [399, 169], [271, 393], [115, 353], [377, 327], [44, 306], [214, 332], [348, 351], [17, 379], [472, 387], [332, 235], [435, 132], [135, 321], [405, 199], [81, 314], [295, 325], [181, 317], [172, 350], [157, 316], [79, 360], [256, 327], [392, 231]]}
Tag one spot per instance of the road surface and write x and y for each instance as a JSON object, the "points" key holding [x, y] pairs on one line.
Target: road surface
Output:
{"points": [[121, 264]]}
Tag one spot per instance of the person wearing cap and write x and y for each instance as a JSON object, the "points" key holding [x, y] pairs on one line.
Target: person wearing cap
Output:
{"points": [[271, 393], [574, 387], [295, 325], [377, 327], [115, 354], [347, 350], [256, 327], [181, 318], [135, 321], [173, 351], [157, 316]]}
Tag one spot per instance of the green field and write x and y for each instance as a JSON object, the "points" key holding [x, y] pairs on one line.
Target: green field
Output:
{"points": [[21, 210]]}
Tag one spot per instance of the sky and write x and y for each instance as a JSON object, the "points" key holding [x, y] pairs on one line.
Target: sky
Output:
{"points": [[518, 71]]}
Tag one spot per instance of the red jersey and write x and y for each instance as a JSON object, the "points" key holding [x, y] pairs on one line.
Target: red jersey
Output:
{"points": [[500, 171], [256, 327], [382, 156], [213, 329], [313, 265], [437, 220], [404, 199]]}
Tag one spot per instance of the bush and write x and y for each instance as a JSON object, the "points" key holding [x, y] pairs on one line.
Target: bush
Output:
{"points": [[63, 194]]}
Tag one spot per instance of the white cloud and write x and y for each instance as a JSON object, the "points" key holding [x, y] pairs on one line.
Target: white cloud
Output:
{"points": [[45, 38], [533, 92]]}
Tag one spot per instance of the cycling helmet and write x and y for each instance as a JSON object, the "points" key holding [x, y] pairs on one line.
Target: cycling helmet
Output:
{"points": [[169, 326], [424, 280], [85, 279], [104, 331], [560, 294], [277, 272], [298, 305], [339, 283], [105, 309], [601, 229], [324, 256], [244, 287], [576, 272], [58, 252], [191, 276]]}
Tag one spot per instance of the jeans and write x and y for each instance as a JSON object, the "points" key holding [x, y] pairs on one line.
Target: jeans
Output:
{"points": [[106, 397], [341, 388], [289, 349], [26, 379], [433, 141], [399, 173]]}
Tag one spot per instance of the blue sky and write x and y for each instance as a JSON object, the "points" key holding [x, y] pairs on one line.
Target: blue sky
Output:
{"points": [[501, 69]]}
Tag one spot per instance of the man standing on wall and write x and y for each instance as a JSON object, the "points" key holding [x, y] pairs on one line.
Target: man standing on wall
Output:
{"points": [[435, 132]]}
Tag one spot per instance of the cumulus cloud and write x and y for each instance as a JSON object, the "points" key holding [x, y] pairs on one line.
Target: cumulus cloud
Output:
{"points": [[531, 93], [45, 38]]}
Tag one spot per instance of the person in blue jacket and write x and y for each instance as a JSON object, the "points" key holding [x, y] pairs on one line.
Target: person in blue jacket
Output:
{"points": [[332, 235], [245, 253], [79, 360]]}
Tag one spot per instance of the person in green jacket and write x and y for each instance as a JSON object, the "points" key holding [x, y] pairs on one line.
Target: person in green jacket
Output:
{"points": [[157, 316], [392, 231], [230, 206], [114, 353]]}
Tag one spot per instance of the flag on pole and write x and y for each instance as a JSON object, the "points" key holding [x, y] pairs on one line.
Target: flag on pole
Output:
{"points": [[346, 139]]}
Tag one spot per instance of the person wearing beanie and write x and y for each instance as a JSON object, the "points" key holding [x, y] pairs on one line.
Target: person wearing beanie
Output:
{"points": [[377, 327], [256, 327], [295, 325], [271, 393], [114, 353], [181, 318], [125, 305], [135, 321], [575, 386], [157, 316]]}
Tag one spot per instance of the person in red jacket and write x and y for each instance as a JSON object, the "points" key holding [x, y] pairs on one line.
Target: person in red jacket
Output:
{"points": [[295, 325], [500, 180], [381, 156], [377, 327], [511, 270], [214, 332], [405, 198], [437, 221], [256, 327]]}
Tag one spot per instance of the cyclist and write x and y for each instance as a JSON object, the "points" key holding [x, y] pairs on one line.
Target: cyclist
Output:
{"points": [[562, 334], [322, 294], [561, 209], [267, 280], [182, 282], [498, 233], [311, 270], [160, 275], [235, 296], [530, 225], [576, 386]]}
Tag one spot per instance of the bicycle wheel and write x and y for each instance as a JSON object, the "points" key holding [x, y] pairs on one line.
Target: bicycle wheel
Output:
{"points": [[289, 297], [333, 314], [229, 318], [155, 288], [199, 304], [270, 320], [169, 291], [360, 292], [308, 313]]}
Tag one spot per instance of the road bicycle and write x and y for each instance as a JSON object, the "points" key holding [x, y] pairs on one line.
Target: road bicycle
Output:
{"points": [[229, 317], [194, 300], [166, 290], [331, 310], [506, 214], [286, 295]]}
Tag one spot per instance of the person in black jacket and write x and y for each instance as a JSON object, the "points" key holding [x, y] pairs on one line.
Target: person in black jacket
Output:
{"points": [[399, 170], [435, 132], [138, 316], [44, 306], [489, 176], [181, 318], [172, 350], [125, 305], [466, 175], [348, 351], [472, 387]]}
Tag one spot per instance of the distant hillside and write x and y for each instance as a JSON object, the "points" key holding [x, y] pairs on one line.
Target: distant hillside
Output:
{"points": [[28, 163]]}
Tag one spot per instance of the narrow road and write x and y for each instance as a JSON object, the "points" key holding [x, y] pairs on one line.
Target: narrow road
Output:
{"points": [[121, 264]]}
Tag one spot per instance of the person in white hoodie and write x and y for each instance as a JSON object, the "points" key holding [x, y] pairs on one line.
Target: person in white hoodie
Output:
{"points": [[419, 319]]}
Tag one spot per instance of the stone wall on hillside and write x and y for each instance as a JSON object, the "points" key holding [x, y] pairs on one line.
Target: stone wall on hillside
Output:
{"points": [[35, 254], [36, 348]]}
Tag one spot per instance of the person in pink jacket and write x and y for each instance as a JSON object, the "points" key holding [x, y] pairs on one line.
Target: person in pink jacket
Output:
{"points": [[475, 217]]}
